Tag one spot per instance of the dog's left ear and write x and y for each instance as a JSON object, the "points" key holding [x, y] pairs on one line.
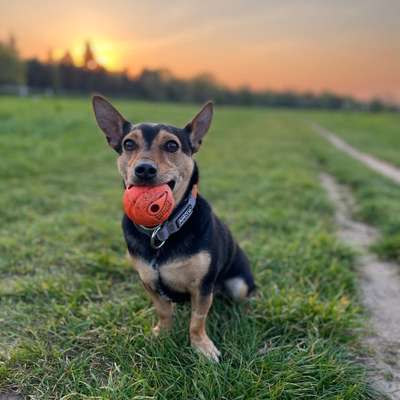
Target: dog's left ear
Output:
{"points": [[200, 124], [111, 122]]}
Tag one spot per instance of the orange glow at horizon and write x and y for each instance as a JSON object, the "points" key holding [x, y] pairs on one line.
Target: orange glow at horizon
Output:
{"points": [[105, 52], [306, 45]]}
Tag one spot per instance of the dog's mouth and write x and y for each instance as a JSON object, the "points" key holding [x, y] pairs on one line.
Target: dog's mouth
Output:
{"points": [[170, 183]]}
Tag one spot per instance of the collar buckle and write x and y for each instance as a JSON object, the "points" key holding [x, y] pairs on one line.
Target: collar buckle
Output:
{"points": [[159, 234], [154, 239]]}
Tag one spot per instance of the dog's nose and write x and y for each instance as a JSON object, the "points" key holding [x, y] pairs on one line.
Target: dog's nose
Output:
{"points": [[145, 171]]}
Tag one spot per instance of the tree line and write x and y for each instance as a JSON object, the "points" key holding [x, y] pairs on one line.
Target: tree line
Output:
{"points": [[63, 77]]}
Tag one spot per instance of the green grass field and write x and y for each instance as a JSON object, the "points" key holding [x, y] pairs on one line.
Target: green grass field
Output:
{"points": [[377, 134], [75, 322], [377, 197]]}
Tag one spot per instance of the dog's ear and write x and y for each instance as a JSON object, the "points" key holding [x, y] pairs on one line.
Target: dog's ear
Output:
{"points": [[200, 124], [110, 121]]}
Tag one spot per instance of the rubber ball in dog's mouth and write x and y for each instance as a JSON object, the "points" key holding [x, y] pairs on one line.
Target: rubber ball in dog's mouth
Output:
{"points": [[148, 205]]}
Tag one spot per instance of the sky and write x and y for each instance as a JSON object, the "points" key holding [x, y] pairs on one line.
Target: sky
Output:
{"points": [[348, 46]]}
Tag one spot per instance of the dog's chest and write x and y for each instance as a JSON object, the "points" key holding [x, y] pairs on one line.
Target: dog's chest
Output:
{"points": [[182, 275]]}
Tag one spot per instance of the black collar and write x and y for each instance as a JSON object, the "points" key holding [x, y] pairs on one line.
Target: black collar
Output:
{"points": [[159, 234]]}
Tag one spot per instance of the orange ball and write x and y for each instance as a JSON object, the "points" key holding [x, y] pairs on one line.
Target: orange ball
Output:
{"points": [[148, 205]]}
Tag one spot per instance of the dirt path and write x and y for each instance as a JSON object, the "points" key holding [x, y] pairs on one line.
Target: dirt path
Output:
{"points": [[380, 291], [382, 167]]}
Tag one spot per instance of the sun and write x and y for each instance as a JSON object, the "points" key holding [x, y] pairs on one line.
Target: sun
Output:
{"points": [[106, 53]]}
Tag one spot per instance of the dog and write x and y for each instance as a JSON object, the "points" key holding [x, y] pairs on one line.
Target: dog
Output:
{"points": [[193, 255]]}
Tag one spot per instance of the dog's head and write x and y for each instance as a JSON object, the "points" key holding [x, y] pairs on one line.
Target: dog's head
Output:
{"points": [[153, 154]]}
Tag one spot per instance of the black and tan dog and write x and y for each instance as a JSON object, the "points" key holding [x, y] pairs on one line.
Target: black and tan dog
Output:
{"points": [[193, 254]]}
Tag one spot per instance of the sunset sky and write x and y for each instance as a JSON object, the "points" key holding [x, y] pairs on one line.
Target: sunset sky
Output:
{"points": [[350, 46]]}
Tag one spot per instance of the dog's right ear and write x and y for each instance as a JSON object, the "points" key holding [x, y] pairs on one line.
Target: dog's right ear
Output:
{"points": [[110, 121], [200, 124]]}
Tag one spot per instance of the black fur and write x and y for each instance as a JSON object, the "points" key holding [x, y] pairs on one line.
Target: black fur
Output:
{"points": [[202, 232], [150, 131], [126, 128]]}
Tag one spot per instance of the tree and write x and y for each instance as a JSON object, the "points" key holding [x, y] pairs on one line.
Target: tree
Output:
{"points": [[376, 105], [89, 60], [11, 67], [67, 59]]}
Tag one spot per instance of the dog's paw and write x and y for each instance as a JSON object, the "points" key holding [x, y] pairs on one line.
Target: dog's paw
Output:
{"points": [[155, 330], [160, 327], [206, 347]]}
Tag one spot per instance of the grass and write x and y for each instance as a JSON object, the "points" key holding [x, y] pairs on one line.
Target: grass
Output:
{"points": [[377, 197], [377, 134], [75, 321]]}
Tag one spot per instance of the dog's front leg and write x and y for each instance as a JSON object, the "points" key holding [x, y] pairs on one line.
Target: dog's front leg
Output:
{"points": [[164, 309], [198, 335]]}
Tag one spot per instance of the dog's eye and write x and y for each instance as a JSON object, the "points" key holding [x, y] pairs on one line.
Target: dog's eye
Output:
{"points": [[171, 146], [130, 145]]}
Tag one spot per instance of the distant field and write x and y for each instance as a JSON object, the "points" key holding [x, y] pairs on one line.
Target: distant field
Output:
{"points": [[377, 134], [75, 321]]}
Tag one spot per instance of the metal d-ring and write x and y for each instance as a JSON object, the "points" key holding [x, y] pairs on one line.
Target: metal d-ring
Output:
{"points": [[153, 239]]}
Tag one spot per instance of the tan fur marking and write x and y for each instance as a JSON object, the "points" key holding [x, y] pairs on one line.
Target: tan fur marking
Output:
{"points": [[164, 309], [177, 166], [147, 274], [186, 275], [198, 335], [171, 166], [127, 161], [200, 308], [137, 136], [237, 288]]}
